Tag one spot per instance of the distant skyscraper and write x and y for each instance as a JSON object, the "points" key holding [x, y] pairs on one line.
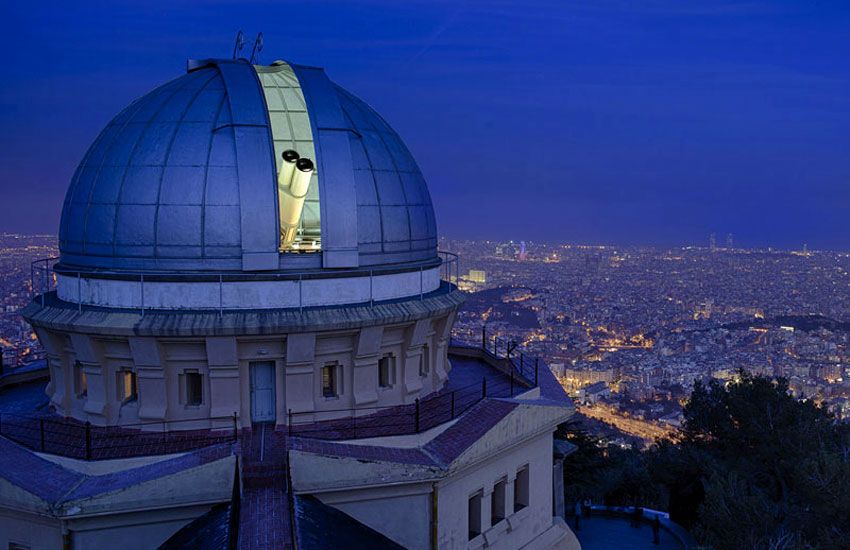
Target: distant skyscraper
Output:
{"points": [[522, 251], [591, 263], [805, 248], [712, 242], [730, 243], [477, 276]]}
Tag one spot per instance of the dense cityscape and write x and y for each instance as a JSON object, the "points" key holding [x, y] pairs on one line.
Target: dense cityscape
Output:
{"points": [[626, 330], [629, 330], [17, 252]]}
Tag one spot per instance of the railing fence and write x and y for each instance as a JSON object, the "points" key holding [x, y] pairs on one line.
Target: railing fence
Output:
{"points": [[519, 374], [85, 441]]}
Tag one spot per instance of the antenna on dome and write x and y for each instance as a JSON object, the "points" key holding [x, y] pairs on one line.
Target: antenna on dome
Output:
{"points": [[240, 43], [258, 47]]}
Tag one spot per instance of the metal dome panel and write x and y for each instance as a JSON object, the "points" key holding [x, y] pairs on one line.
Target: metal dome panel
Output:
{"points": [[184, 178], [395, 215]]}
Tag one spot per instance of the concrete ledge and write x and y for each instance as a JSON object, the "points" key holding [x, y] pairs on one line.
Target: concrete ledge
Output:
{"points": [[679, 533], [64, 316], [23, 375]]}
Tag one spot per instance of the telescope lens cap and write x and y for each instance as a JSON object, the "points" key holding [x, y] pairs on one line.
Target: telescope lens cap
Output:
{"points": [[305, 165]]}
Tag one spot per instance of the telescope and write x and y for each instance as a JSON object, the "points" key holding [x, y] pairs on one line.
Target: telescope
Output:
{"points": [[293, 182]]}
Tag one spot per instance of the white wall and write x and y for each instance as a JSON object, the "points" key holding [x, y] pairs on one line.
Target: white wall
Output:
{"points": [[513, 532], [400, 513], [246, 294], [30, 530]]}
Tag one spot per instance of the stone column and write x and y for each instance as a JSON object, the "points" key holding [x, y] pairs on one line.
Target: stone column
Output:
{"points": [[509, 495], [60, 389], [100, 398], [412, 382], [223, 377], [441, 348], [558, 505], [300, 372], [486, 508], [151, 379], [364, 380]]}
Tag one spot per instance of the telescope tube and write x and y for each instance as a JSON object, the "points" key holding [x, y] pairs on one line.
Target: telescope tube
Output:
{"points": [[287, 168], [291, 198]]}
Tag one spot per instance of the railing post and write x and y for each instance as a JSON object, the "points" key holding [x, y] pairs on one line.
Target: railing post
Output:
{"points": [[79, 292], [290, 422], [521, 357], [417, 415], [512, 383], [535, 371], [453, 406], [483, 387], [41, 428], [483, 336], [88, 440], [142, 280], [221, 297], [235, 428], [371, 290], [300, 294], [421, 290]]}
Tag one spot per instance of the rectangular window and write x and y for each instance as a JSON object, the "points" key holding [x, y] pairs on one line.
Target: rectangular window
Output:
{"points": [[385, 371], [521, 486], [475, 515], [329, 381], [497, 502], [194, 388], [80, 387], [127, 387], [425, 361]]}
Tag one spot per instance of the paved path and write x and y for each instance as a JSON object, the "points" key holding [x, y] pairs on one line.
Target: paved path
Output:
{"points": [[264, 521]]}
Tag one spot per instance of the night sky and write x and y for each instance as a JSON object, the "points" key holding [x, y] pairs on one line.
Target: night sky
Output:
{"points": [[594, 121]]}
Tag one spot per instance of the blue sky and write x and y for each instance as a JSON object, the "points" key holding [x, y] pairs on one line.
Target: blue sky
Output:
{"points": [[625, 122]]}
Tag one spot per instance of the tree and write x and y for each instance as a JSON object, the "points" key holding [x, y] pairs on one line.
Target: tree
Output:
{"points": [[776, 469]]}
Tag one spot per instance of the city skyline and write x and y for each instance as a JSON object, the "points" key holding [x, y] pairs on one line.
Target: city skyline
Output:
{"points": [[654, 124]]}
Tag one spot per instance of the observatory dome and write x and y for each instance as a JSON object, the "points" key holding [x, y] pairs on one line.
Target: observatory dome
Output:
{"points": [[186, 178]]}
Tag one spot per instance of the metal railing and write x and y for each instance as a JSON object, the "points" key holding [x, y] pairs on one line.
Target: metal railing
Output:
{"points": [[20, 356], [70, 438], [43, 279], [502, 348], [519, 373]]}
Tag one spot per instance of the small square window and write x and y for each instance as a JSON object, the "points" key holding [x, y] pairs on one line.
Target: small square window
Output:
{"points": [[329, 382], [521, 486], [425, 361], [127, 386], [385, 371], [475, 515], [80, 385], [194, 388], [497, 502]]}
